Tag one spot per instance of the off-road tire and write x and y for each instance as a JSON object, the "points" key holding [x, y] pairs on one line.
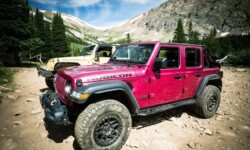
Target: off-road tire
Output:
{"points": [[115, 119], [208, 102], [49, 83]]}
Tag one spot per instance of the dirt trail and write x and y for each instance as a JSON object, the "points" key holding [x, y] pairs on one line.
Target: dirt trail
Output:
{"points": [[22, 127]]}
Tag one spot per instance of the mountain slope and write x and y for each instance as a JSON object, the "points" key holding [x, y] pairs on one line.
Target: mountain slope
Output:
{"points": [[232, 16], [227, 16], [74, 26]]}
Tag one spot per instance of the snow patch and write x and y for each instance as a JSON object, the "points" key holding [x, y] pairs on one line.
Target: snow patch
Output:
{"points": [[119, 25], [131, 31], [46, 19], [224, 34], [136, 18], [73, 20], [70, 18], [77, 34]]}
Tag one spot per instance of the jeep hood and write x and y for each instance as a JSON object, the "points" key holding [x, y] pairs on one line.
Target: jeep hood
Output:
{"points": [[98, 72], [72, 59], [51, 63]]}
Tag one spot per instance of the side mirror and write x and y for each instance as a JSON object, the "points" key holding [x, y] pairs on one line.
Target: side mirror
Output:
{"points": [[160, 63]]}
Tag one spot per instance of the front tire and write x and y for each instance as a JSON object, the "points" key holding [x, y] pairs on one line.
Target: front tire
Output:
{"points": [[103, 125], [208, 102]]}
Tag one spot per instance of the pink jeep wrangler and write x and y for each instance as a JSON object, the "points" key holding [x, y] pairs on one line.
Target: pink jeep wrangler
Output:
{"points": [[140, 79]]}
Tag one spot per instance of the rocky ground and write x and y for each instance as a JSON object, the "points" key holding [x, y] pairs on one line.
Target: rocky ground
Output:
{"points": [[22, 127]]}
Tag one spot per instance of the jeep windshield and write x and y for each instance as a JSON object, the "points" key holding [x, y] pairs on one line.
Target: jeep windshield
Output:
{"points": [[87, 50], [134, 53]]}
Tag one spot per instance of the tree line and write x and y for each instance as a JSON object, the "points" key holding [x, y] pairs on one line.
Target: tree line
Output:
{"points": [[24, 34], [236, 47]]}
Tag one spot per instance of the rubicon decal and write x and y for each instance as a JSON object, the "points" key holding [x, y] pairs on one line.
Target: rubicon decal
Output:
{"points": [[125, 75]]}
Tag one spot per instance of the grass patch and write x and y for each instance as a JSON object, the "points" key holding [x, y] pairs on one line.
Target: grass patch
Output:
{"points": [[30, 64], [7, 74]]}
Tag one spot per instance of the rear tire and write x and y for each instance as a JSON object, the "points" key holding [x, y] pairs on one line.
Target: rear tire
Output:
{"points": [[208, 102], [103, 125]]}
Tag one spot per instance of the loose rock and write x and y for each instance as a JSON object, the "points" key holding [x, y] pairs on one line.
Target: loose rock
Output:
{"points": [[18, 123], [12, 97], [133, 143], [184, 116], [4, 81], [36, 111], [241, 70], [9, 144], [163, 144], [43, 135], [70, 139], [5, 89], [17, 91], [172, 119], [208, 132]]}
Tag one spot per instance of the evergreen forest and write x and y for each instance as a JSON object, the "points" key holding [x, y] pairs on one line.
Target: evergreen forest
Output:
{"points": [[25, 34]]}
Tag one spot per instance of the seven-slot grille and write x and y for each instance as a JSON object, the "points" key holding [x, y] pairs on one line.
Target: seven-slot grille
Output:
{"points": [[60, 85]]}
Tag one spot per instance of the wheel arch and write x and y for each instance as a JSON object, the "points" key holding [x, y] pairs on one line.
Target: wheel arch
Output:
{"points": [[213, 79], [117, 90]]}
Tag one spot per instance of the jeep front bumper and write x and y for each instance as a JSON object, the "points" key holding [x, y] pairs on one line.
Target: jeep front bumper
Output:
{"points": [[44, 73], [53, 109]]}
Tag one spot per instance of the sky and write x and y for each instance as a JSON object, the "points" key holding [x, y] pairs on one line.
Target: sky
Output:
{"points": [[99, 13]]}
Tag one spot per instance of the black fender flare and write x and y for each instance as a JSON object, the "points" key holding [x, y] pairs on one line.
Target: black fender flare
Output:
{"points": [[205, 81], [107, 86]]}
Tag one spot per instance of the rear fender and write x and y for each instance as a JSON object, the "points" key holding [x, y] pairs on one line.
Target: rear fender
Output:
{"points": [[207, 80]]}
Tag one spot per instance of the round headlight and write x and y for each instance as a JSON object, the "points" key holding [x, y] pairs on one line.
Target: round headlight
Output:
{"points": [[68, 87]]}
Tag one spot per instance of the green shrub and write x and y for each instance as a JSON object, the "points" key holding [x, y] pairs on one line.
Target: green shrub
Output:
{"points": [[240, 57]]}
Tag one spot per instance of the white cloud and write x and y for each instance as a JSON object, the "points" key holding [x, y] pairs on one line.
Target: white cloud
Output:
{"points": [[100, 17], [79, 3], [77, 13], [68, 3], [46, 1], [137, 1], [143, 1]]}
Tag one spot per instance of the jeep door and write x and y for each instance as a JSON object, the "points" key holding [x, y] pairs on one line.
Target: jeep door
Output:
{"points": [[193, 73], [166, 83]]}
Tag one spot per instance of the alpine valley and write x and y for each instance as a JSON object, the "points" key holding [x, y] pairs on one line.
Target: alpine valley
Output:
{"points": [[229, 17]]}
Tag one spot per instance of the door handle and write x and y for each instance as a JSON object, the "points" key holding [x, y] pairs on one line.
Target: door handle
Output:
{"points": [[178, 76], [198, 74]]}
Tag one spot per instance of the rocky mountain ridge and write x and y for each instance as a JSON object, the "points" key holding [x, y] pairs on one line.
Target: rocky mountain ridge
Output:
{"points": [[227, 16]]}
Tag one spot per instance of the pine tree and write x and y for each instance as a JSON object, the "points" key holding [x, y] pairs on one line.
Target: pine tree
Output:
{"points": [[190, 30], [31, 44], [41, 33], [128, 38], [13, 29], [179, 35], [48, 52], [212, 42], [60, 44], [40, 26], [195, 37]]}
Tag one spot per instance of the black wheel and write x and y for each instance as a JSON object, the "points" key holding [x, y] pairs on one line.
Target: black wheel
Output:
{"points": [[49, 83], [208, 102], [103, 125]]}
